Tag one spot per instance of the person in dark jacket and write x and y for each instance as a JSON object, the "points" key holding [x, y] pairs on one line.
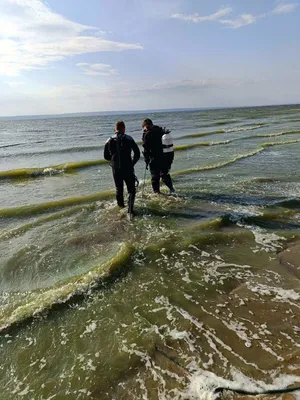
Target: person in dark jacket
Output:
{"points": [[155, 157], [118, 150]]}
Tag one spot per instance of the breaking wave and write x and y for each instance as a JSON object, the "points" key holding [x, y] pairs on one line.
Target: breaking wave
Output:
{"points": [[35, 209], [24, 173], [43, 300]]}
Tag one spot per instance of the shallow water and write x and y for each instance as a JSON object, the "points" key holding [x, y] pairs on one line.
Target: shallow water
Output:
{"points": [[93, 306]]}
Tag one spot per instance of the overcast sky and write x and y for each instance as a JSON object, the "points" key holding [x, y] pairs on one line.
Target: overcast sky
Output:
{"points": [[65, 56]]}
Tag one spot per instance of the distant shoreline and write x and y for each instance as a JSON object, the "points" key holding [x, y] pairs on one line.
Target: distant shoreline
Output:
{"points": [[130, 112]]}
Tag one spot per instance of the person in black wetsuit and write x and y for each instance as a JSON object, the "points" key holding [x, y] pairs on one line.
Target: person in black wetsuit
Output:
{"points": [[155, 157], [117, 150]]}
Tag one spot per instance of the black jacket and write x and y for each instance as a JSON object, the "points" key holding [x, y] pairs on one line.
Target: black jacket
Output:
{"points": [[118, 151], [152, 144]]}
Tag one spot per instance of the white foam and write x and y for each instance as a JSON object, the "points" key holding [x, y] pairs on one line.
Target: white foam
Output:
{"points": [[24, 392], [267, 241], [279, 293], [178, 335], [89, 328], [203, 383], [243, 128]]}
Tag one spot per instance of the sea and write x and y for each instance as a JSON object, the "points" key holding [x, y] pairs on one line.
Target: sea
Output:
{"points": [[193, 294]]}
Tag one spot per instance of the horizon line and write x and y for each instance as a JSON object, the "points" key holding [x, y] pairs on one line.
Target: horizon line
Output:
{"points": [[124, 112]]}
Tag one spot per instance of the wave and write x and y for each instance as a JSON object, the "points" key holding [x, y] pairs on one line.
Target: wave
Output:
{"points": [[279, 220], [44, 207], [40, 221], [60, 295], [257, 124], [270, 144], [44, 300], [25, 173], [219, 165], [211, 224], [291, 203], [244, 128], [37, 130], [11, 145], [266, 135], [34, 209], [224, 122], [200, 134], [267, 216], [58, 151], [220, 123], [195, 145], [261, 180], [192, 237], [218, 238], [21, 144]]}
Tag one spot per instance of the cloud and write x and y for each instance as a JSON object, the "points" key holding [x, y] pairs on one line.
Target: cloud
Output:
{"points": [[242, 20], [238, 22], [196, 18], [213, 92], [15, 84], [285, 8], [97, 69], [32, 36], [193, 85]]}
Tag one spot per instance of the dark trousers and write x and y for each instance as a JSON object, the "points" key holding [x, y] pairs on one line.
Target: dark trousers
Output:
{"points": [[159, 168], [127, 176]]}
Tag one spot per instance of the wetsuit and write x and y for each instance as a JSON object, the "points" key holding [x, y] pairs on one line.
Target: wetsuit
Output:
{"points": [[118, 151], [154, 157]]}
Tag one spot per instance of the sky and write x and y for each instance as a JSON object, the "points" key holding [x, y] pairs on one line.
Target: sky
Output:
{"points": [[65, 56]]}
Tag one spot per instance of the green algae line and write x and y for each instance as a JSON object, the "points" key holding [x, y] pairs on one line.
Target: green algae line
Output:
{"points": [[40, 221], [25, 173], [200, 134], [270, 144], [184, 147], [270, 135], [216, 166], [40, 301], [25, 211]]}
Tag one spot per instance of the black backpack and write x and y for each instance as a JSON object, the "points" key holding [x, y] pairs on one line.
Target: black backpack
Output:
{"points": [[117, 149]]}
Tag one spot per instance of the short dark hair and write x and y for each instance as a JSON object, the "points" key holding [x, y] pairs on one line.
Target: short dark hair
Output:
{"points": [[147, 122], [120, 126]]}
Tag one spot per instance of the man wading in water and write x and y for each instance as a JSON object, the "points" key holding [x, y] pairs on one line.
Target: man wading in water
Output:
{"points": [[118, 151], [158, 153]]}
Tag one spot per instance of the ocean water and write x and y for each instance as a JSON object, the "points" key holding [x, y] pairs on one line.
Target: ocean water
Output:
{"points": [[192, 295]]}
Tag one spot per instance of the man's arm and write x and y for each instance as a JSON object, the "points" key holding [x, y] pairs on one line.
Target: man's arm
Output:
{"points": [[136, 152], [147, 148], [107, 154]]}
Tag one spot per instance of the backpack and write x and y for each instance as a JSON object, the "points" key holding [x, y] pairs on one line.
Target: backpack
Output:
{"points": [[167, 141], [115, 147]]}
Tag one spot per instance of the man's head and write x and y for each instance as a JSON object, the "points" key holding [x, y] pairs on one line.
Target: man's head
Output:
{"points": [[120, 127], [147, 124]]}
